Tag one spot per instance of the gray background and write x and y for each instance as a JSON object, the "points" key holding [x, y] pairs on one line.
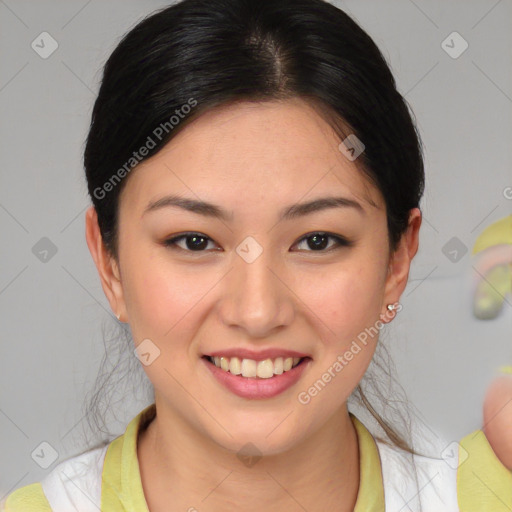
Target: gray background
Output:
{"points": [[52, 312]]}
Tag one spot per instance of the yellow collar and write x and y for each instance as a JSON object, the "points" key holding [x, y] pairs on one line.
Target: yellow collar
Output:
{"points": [[122, 485]]}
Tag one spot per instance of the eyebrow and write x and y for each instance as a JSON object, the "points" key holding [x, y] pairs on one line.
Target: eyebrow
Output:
{"points": [[291, 212]]}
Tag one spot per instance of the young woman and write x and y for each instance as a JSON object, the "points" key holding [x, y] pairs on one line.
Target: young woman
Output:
{"points": [[256, 180]]}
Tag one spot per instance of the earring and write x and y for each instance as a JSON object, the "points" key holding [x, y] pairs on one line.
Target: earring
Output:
{"points": [[118, 315], [390, 307]]}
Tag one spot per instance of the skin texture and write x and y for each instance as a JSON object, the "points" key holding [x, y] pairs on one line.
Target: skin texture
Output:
{"points": [[252, 160]]}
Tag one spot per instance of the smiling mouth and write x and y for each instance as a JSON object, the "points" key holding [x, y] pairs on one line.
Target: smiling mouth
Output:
{"points": [[251, 368]]}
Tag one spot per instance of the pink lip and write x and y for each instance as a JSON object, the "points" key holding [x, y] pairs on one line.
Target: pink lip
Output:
{"points": [[270, 353], [254, 387]]}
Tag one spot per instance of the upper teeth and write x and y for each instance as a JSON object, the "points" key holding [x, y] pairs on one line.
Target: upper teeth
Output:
{"points": [[251, 368]]}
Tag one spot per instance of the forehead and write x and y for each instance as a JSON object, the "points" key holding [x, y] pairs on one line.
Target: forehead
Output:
{"points": [[282, 151]]}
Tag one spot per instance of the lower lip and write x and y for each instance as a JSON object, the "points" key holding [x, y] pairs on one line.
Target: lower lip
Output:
{"points": [[254, 387]]}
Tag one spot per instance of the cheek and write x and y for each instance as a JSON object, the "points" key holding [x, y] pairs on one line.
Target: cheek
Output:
{"points": [[165, 304], [345, 301], [159, 296], [345, 310]]}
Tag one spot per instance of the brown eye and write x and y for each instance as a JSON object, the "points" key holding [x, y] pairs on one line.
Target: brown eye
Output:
{"points": [[194, 242], [318, 241]]}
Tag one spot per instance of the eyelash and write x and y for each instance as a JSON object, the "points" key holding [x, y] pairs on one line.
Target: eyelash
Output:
{"points": [[340, 241]]}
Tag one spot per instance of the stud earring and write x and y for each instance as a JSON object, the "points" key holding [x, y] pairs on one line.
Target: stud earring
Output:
{"points": [[390, 307]]}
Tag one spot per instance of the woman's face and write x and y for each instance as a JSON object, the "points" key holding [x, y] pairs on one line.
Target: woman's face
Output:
{"points": [[252, 280]]}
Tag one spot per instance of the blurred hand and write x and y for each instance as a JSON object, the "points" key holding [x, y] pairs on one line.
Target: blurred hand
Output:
{"points": [[498, 418]]}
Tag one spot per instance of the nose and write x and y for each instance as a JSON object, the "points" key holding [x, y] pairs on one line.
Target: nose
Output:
{"points": [[256, 298]]}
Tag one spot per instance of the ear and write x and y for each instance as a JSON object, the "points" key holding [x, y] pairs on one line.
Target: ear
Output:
{"points": [[106, 264], [400, 263]]}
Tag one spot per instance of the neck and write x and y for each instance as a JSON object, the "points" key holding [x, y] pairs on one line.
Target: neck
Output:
{"points": [[321, 473]]}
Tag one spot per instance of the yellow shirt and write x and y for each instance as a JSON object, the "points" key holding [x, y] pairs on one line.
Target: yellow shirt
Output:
{"points": [[108, 479]]}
